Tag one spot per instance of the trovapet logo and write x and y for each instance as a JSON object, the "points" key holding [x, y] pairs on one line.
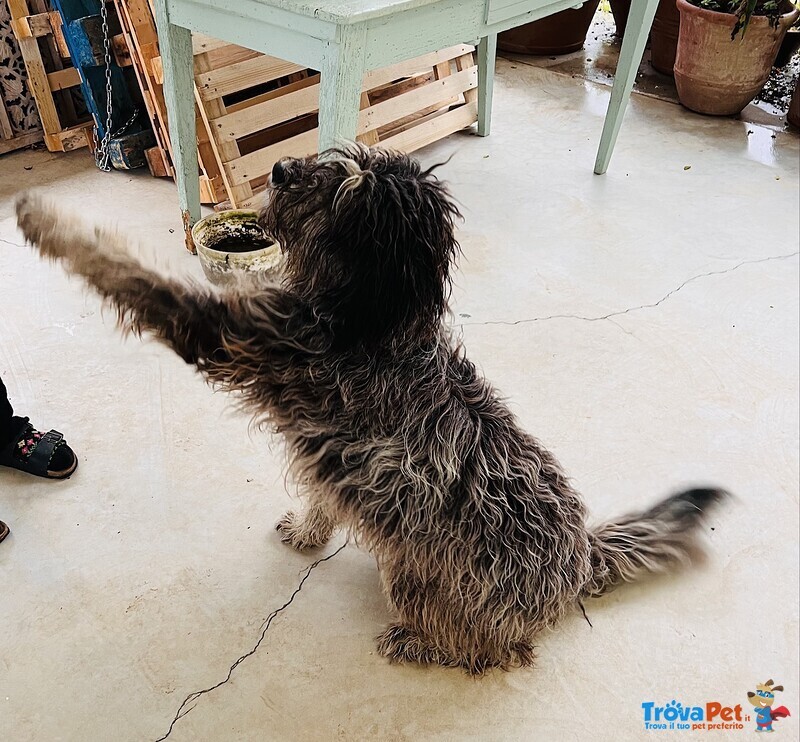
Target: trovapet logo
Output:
{"points": [[716, 716], [676, 716]]}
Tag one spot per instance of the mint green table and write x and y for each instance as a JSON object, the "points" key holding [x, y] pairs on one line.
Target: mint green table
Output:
{"points": [[344, 39]]}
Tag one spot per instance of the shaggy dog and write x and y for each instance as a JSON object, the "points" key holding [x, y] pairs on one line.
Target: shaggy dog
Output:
{"points": [[480, 539]]}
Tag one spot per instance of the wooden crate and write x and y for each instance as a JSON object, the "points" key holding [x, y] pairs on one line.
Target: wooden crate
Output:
{"points": [[404, 107], [52, 78], [139, 31], [253, 109], [19, 120]]}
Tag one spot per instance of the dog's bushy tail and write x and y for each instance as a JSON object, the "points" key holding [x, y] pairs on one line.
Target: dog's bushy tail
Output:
{"points": [[653, 541]]}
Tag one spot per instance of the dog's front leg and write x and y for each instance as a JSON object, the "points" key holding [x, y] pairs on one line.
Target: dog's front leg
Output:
{"points": [[187, 318]]}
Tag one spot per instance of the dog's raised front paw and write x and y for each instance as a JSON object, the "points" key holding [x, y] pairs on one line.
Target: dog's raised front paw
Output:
{"points": [[31, 218], [40, 223]]}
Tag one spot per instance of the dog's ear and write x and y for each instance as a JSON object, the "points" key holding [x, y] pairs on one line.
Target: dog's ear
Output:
{"points": [[392, 229], [777, 687]]}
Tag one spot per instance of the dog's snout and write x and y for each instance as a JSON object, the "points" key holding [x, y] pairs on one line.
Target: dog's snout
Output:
{"points": [[280, 171]]}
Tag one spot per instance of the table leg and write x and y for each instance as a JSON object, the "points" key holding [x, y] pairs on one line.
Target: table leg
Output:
{"points": [[487, 54], [175, 43], [341, 80], [638, 27]]}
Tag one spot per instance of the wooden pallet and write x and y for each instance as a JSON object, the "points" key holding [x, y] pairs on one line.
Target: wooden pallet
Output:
{"points": [[404, 107], [19, 120], [52, 78], [253, 109], [139, 31]]}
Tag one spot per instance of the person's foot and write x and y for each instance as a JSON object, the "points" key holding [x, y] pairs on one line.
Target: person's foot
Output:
{"points": [[42, 454]]}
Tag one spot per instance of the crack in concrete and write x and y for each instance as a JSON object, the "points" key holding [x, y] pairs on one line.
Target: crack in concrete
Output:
{"points": [[13, 244], [192, 697], [621, 312]]}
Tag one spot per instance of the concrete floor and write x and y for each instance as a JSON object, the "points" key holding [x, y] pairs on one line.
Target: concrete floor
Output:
{"points": [[644, 324]]}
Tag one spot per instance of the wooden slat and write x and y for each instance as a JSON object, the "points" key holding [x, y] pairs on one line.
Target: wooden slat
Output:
{"points": [[32, 26], [417, 99], [66, 78], [230, 54], [411, 67], [285, 104], [40, 86], [282, 107], [155, 162], [224, 151], [68, 139], [156, 69], [20, 140], [463, 62], [6, 129], [140, 20], [216, 83], [202, 44], [442, 69], [121, 49], [219, 57], [212, 190], [248, 167], [272, 94], [433, 129], [58, 35]]}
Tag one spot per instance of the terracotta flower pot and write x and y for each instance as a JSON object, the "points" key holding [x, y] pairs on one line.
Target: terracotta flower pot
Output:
{"points": [[716, 75], [793, 116], [664, 36], [620, 10], [559, 33]]}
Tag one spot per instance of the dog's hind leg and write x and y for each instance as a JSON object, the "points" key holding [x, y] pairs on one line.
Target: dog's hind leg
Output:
{"points": [[313, 527]]}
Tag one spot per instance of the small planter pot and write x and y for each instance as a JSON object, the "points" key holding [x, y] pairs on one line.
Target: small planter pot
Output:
{"points": [[231, 244], [793, 115], [717, 75], [664, 36], [560, 33]]}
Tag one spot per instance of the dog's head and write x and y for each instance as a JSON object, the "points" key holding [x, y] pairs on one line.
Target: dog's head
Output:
{"points": [[369, 240]]}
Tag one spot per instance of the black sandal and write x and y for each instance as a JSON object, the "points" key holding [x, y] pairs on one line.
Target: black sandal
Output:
{"points": [[34, 452], [3, 530]]}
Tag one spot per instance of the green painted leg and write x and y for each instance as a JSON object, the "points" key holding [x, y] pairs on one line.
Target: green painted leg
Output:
{"points": [[487, 54], [176, 53], [342, 76], [636, 31]]}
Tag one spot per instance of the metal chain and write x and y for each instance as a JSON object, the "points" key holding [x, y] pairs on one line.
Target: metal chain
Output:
{"points": [[101, 153]]}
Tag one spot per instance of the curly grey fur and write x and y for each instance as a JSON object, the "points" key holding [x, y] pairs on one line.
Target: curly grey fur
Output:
{"points": [[480, 539]]}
